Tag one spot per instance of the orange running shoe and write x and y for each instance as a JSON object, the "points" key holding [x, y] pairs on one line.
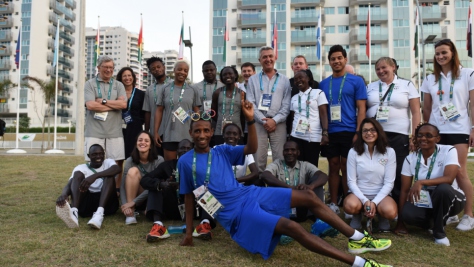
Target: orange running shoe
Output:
{"points": [[203, 231], [157, 232]]}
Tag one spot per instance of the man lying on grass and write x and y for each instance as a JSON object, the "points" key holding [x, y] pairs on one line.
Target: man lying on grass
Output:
{"points": [[92, 188], [256, 217]]}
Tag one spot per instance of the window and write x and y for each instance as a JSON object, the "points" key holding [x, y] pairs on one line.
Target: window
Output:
{"points": [[461, 3], [279, 7], [233, 47], [401, 43], [343, 10], [218, 31], [329, 10], [234, 29], [330, 29], [220, 13], [400, 3], [281, 46], [342, 28], [447, 22], [400, 23], [460, 24], [281, 26]]}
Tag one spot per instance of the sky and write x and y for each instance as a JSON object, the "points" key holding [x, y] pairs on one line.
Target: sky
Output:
{"points": [[162, 21]]}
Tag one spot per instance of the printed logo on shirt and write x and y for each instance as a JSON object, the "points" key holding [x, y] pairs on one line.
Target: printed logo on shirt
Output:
{"points": [[383, 162], [440, 164]]}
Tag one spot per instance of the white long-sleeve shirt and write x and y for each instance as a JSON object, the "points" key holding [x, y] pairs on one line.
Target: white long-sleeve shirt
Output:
{"points": [[371, 176]]}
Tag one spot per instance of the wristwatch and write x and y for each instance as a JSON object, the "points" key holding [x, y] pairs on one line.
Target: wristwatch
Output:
{"points": [[104, 101]]}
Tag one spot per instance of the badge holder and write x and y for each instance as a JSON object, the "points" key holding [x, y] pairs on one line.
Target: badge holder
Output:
{"points": [[335, 113], [181, 114], [382, 113], [425, 200], [265, 102], [101, 116], [449, 112], [207, 201], [207, 104], [302, 127]]}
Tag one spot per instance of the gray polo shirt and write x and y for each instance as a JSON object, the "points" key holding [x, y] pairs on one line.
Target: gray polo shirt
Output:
{"points": [[281, 97], [306, 169], [210, 88], [112, 126], [176, 131], [149, 104]]}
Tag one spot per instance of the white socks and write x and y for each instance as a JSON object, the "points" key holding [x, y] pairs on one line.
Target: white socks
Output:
{"points": [[159, 222], [357, 235], [358, 262], [205, 221], [100, 210]]}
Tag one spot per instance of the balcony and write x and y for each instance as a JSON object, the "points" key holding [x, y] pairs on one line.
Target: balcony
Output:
{"points": [[5, 65], [251, 57], [5, 51], [309, 54], [359, 56], [6, 8], [251, 3], [61, 73], [302, 17], [67, 88], [61, 9], [70, 3], [440, 32], [66, 37], [68, 26], [251, 38], [359, 15], [5, 36], [251, 19], [6, 22], [377, 35], [61, 112], [305, 37], [433, 13], [366, 2], [64, 100], [62, 60], [300, 3], [67, 50]]}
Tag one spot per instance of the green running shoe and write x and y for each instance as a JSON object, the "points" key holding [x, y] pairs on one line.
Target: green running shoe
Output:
{"points": [[368, 243], [373, 263]]}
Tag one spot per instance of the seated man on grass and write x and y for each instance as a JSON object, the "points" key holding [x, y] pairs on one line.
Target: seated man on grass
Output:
{"points": [[256, 217], [294, 174], [92, 188]]}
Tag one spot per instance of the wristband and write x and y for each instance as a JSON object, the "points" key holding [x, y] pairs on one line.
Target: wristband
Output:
{"points": [[251, 122]]}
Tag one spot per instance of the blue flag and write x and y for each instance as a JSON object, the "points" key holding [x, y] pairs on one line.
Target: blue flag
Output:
{"points": [[18, 56], [318, 38], [56, 46]]}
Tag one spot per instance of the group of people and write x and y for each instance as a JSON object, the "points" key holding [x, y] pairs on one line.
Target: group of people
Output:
{"points": [[210, 132]]}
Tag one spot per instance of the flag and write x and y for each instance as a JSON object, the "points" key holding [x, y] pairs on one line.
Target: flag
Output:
{"points": [[417, 23], [97, 45], [226, 38], [56, 46], [181, 41], [275, 37], [469, 33], [18, 56], [140, 43], [367, 36], [318, 38]]}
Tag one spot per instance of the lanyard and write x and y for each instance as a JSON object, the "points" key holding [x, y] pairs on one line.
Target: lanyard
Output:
{"points": [[296, 175], [204, 95], [165, 82], [307, 104], [390, 90], [231, 110], [99, 92], [208, 169], [274, 84], [235, 171], [180, 96], [90, 168], [140, 167], [440, 90], [340, 89], [131, 98], [432, 163]]}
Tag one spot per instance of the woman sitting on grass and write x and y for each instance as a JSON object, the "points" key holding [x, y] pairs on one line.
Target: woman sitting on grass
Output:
{"points": [[429, 192], [371, 166]]}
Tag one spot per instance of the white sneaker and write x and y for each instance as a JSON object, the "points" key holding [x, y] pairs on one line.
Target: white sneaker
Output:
{"points": [[96, 221], [356, 221], [442, 241], [452, 220], [68, 215], [334, 208], [130, 220], [466, 223], [347, 216]]}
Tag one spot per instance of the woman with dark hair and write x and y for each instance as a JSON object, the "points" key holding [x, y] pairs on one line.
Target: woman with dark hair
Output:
{"points": [[142, 160], [447, 94], [232, 135], [371, 166], [430, 193], [226, 104], [308, 109], [133, 117]]}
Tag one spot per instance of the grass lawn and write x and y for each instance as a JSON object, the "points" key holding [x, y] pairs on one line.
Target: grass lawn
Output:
{"points": [[32, 235]]}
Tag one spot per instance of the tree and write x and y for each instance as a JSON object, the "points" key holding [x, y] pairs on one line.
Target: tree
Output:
{"points": [[5, 85], [48, 89], [24, 124], [415, 75]]}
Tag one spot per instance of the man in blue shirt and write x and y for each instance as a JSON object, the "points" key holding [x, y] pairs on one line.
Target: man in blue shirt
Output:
{"points": [[347, 96], [256, 217]]}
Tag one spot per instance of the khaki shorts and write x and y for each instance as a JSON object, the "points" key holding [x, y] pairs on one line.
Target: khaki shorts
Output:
{"points": [[114, 147]]}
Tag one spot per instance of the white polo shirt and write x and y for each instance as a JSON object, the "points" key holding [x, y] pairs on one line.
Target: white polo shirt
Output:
{"points": [[96, 186], [399, 113], [371, 176], [447, 155], [241, 170], [316, 99], [463, 84]]}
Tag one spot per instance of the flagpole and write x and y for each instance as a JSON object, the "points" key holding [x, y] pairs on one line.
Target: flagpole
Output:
{"points": [[370, 50], [56, 42], [320, 46], [17, 150], [418, 46], [140, 51], [469, 24]]}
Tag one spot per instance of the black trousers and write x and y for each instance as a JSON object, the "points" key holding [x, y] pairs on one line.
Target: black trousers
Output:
{"points": [[446, 202], [302, 213], [400, 143], [309, 151]]}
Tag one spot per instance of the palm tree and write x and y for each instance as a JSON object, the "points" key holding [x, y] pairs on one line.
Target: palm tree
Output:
{"points": [[5, 85], [48, 88]]}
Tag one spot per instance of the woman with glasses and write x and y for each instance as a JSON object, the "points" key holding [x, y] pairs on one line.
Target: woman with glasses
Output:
{"points": [[133, 117], [447, 93], [226, 104], [430, 193], [371, 166], [390, 100], [177, 103]]}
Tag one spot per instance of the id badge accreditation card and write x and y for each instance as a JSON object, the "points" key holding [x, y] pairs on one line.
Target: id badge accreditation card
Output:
{"points": [[302, 126], [101, 116], [265, 102], [210, 204], [127, 117], [181, 114], [335, 110], [449, 112], [425, 200], [207, 105], [382, 113]]}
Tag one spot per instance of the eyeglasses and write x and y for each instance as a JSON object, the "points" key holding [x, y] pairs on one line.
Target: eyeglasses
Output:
{"points": [[443, 42], [371, 130], [107, 68], [428, 135], [205, 115]]}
